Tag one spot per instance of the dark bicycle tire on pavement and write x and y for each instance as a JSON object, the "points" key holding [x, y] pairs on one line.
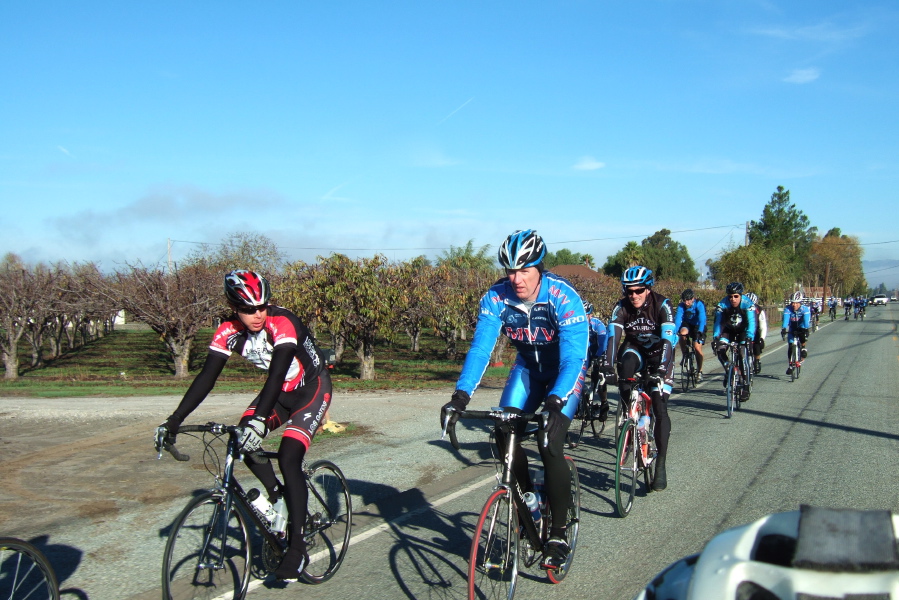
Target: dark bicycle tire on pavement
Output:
{"points": [[329, 521], [25, 572], [493, 560], [626, 468], [198, 531]]}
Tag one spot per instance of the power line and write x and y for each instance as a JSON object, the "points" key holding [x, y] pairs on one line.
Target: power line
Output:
{"points": [[624, 237], [884, 269]]}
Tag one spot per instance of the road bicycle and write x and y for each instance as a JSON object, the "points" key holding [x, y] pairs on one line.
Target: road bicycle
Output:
{"points": [[208, 553], [860, 313], [506, 533], [636, 448], [738, 382], [588, 409], [688, 372], [795, 360], [833, 313], [25, 573]]}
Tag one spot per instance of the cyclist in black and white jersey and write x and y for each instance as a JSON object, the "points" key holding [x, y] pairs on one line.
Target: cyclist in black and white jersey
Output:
{"points": [[296, 393]]}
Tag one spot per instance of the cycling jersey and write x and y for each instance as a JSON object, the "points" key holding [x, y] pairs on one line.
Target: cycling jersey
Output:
{"points": [[649, 329], [690, 315], [800, 318], [551, 337], [738, 320], [598, 338], [761, 319]]}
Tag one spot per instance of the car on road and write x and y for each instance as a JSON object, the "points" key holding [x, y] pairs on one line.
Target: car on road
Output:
{"points": [[880, 299]]}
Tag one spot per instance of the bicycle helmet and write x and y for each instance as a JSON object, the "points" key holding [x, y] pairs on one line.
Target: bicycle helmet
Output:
{"points": [[687, 294], [734, 287], [810, 553], [753, 298], [796, 297], [636, 276], [588, 307], [246, 288], [522, 249]]}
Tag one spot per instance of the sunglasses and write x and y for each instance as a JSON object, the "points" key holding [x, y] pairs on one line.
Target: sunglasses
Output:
{"points": [[251, 310], [735, 296], [634, 291]]}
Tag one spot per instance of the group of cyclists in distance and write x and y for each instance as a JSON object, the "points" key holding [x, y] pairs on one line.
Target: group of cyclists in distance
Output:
{"points": [[559, 341]]}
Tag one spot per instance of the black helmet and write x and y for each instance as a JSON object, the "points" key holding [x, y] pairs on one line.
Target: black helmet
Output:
{"points": [[588, 307], [522, 249], [687, 294], [734, 287]]}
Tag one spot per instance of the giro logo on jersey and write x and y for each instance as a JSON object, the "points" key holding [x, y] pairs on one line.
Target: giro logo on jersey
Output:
{"points": [[568, 314], [558, 293], [539, 334], [578, 319]]}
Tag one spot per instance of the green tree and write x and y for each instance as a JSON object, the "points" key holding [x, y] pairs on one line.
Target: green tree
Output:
{"points": [[468, 257], [632, 254], [838, 258], [565, 257], [760, 270], [785, 229], [667, 258], [241, 250]]}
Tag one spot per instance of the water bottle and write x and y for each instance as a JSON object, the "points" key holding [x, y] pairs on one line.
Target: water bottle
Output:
{"points": [[530, 498], [644, 426], [261, 504], [279, 521], [539, 487]]}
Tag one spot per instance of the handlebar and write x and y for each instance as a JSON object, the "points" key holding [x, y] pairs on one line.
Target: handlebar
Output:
{"points": [[497, 415], [216, 428]]}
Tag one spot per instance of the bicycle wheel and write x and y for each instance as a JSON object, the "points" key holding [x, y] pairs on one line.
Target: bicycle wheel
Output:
{"points": [[25, 572], [626, 469], [329, 521], [207, 554], [685, 373], [731, 392], [573, 522], [493, 562]]}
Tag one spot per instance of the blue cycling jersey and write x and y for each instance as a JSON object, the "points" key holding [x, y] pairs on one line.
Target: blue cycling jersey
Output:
{"points": [[598, 339], [741, 318], [551, 336], [797, 319], [690, 315]]}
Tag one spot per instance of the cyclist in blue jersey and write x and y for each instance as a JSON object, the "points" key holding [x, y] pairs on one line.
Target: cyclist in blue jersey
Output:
{"points": [[761, 331], [596, 355], [734, 322], [544, 318], [797, 319], [641, 338], [690, 321]]}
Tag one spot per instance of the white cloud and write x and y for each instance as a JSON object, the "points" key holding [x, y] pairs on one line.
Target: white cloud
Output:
{"points": [[823, 32], [64, 151], [588, 163], [803, 75]]}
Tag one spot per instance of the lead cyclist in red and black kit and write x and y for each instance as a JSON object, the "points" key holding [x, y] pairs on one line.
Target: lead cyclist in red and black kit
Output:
{"points": [[296, 393], [641, 338]]}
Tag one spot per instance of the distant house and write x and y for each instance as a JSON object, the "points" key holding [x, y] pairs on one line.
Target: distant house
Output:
{"points": [[576, 270]]}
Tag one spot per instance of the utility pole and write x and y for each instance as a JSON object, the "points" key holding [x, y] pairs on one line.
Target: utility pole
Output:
{"points": [[170, 254], [746, 238], [826, 279]]}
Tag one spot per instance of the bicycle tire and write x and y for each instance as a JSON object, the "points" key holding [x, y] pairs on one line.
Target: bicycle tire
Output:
{"points": [[196, 536], [329, 521], [493, 560], [685, 373], [794, 373], [573, 523], [25, 572], [731, 380], [626, 469]]}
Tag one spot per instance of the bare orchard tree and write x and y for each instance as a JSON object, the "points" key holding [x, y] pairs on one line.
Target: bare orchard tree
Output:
{"points": [[42, 283], [174, 305], [17, 303], [241, 250]]}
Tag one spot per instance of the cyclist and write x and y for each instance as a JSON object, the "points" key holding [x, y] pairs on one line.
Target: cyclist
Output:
{"points": [[796, 321], [642, 338], [734, 321], [690, 321], [847, 307], [860, 303], [815, 311], [833, 308], [761, 331], [596, 355], [543, 317], [296, 393]]}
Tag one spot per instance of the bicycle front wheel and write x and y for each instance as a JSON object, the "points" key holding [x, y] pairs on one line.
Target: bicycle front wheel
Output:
{"points": [[572, 523], [329, 521], [25, 572], [731, 390], [685, 368], [626, 469], [207, 554], [493, 562]]}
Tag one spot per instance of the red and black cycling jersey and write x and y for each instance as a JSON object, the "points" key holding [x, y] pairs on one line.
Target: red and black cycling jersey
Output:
{"points": [[284, 347]]}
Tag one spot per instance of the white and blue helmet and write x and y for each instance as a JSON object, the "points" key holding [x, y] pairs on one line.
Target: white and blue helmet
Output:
{"points": [[522, 249], [636, 276]]}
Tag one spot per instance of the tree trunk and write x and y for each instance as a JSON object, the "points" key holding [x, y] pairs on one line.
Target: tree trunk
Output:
{"points": [[451, 344], [339, 346], [180, 355], [414, 334], [11, 362], [365, 350], [496, 358]]}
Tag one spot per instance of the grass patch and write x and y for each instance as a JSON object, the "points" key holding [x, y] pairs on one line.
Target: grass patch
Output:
{"points": [[136, 363]]}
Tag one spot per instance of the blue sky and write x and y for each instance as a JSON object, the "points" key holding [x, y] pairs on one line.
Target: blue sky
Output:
{"points": [[407, 127]]}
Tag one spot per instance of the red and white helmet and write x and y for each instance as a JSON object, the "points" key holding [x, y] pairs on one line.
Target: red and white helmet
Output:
{"points": [[247, 288]]}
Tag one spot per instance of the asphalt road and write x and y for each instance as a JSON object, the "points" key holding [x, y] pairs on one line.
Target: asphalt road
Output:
{"points": [[830, 439]]}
